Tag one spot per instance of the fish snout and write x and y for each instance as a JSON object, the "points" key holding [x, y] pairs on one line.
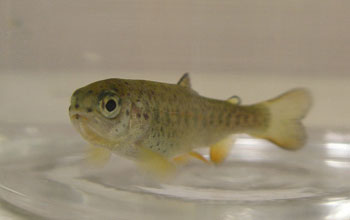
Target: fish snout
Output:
{"points": [[78, 116], [80, 105]]}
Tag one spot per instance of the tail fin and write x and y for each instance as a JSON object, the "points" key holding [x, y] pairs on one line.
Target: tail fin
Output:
{"points": [[286, 112]]}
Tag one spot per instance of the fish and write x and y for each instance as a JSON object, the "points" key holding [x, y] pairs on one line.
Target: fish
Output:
{"points": [[160, 125]]}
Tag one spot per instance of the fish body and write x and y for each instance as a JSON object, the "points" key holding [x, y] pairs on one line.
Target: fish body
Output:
{"points": [[131, 117]]}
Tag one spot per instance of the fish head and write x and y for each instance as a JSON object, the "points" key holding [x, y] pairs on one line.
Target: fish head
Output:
{"points": [[100, 112]]}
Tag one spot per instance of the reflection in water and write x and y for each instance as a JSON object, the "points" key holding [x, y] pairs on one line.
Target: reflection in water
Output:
{"points": [[338, 149], [11, 190], [339, 209], [44, 173], [338, 164]]}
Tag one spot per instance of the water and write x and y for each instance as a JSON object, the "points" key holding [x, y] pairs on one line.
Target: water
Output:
{"points": [[43, 173]]}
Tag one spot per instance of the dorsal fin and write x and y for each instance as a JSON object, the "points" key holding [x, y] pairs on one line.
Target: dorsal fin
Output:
{"points": [[234, 100], [185, 81]]}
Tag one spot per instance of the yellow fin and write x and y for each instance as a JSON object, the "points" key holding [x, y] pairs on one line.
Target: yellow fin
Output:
{"points": [[220, 150], [155, 163], [98, 156], [182, 159], [286, 112], [185, 81], [198, 156], [234, 100]]}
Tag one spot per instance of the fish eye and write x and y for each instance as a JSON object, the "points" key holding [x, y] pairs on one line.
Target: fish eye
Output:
{"points": [[110, 106]]}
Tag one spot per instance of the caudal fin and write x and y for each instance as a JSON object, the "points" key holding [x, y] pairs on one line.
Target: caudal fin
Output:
{"points": [[286, 112]]}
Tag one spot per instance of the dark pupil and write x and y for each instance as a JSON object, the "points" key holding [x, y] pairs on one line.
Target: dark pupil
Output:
{"points": [[111, 105]]}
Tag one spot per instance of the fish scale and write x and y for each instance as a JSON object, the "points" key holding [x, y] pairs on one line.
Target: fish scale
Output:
{"points": [[184, 132]]}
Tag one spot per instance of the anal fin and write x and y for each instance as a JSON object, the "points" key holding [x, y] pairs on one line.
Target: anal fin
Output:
{"points": [[220, 150]]}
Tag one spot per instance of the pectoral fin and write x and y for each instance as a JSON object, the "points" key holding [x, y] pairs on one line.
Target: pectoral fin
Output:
{"points": [[98, 156], [198, 156], [155, 163], [182, 159], [220, 150]]}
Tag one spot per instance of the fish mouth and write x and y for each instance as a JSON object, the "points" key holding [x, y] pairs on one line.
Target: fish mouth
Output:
{"points": [[78, 117], [81, 123]]}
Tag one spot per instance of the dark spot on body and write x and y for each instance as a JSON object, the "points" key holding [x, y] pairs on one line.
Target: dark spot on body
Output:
{"points": [[89, 92], [235, 110], [156, 115], [149, 96], [212, 118], [246, 118], [220, 117], [204, 122], [186, 120], [89, 109], [77, 116], [158, 143], [255, 120], [237, 121], [128, 94], [126, 83], [115, 90], [228, 119], [76, 106], [127, 112], [168, 118], [195, 119], [116, 130], [138, 115]]}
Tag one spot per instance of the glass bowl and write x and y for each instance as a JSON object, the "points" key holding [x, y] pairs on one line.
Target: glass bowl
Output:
{"points": [[44, 174]]}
